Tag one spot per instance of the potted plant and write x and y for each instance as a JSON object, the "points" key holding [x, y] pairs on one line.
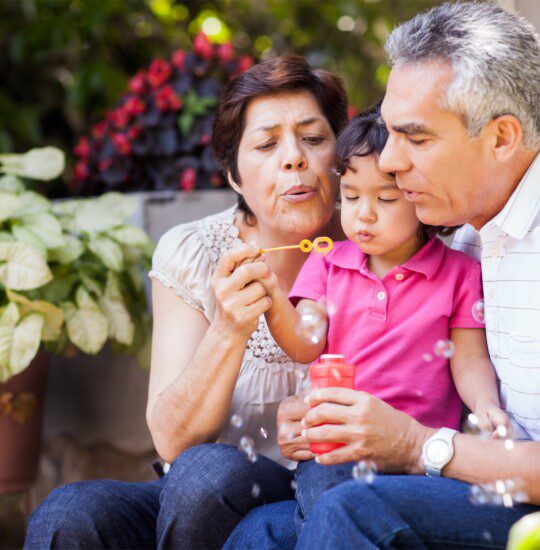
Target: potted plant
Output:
{"points": [[70, 279]]}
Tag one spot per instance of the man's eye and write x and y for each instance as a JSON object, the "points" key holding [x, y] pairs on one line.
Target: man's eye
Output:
{"points": [[417, 141]]}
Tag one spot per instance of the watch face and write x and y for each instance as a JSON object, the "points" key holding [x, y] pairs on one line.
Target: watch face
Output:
{"points": [[438, 451]]}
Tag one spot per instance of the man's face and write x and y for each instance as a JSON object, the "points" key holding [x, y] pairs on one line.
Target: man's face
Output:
{"points": [[442, 169]]}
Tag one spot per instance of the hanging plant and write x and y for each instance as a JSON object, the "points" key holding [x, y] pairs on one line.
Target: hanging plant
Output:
{"points": [[158, 137]]}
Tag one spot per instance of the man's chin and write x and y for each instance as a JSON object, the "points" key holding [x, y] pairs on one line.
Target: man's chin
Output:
{"points": [[435, 216]]}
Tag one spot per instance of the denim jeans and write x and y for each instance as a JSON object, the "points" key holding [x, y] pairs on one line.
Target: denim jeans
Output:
{"points": [[207, 491], [409, 512]]}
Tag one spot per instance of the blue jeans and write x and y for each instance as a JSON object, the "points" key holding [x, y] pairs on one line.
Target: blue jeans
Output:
{"points": [[412, 512], [207, 491]]}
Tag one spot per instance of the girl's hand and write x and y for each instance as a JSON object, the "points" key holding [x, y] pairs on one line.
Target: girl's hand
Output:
{"points": [[290, 440], [490, 417], [240, 298]]}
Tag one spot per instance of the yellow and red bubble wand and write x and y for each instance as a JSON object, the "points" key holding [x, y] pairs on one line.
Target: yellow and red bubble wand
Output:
{"points": [[306, 246]]}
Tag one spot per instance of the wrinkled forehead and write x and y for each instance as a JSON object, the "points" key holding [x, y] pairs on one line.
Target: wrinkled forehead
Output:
{"points": [[415, 94]]}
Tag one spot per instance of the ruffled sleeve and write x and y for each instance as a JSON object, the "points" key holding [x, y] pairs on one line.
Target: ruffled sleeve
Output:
{"points": [[181, 262]]}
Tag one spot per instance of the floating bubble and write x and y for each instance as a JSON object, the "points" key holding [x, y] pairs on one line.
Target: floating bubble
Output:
{"points": [[264, 433], [472, 427], [427, 357], [419, 393], [478, 311], [294, 484], [247, 445], [255, 490], [365, 470], [237, 420], [336, 375], [500, 493], [313, 321], [501, 431], [444, 349], [509, 445], [486, 535]]}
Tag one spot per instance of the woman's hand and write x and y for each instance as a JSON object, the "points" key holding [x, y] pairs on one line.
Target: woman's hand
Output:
{"points": [[240, 298], [369, 427], [290, 440]]}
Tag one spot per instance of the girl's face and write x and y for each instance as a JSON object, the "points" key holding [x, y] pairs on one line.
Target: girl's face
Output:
{"points": [[284, 161], [374, 212]]}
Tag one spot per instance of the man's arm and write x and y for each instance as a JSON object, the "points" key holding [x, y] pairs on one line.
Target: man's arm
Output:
{"points": [[372, 429]]}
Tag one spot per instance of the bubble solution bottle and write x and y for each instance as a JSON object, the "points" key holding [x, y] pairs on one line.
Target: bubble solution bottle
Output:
{"points": [[330, 372]]}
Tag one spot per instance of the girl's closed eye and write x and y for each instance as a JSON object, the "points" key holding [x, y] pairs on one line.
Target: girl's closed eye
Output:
{"points": [[386, 201]]}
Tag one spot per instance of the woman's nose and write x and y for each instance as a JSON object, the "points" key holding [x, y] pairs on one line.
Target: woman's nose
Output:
{"points": [[294, 159]]}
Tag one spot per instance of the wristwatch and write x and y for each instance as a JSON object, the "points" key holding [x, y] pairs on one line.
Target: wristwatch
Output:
{"points": [[438, 450]]}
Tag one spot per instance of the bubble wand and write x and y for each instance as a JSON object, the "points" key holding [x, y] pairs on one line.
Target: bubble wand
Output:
{"points": [[306, 246]]}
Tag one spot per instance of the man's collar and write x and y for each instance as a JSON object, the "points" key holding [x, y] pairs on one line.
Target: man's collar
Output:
{"points": [[519, 213], [427, 260]]}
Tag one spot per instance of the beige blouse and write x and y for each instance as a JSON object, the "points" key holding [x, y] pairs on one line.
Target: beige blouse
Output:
{"points": [[184, 260]]}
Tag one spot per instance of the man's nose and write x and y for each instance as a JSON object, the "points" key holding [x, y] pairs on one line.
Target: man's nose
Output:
{"points": [[393, 157]]}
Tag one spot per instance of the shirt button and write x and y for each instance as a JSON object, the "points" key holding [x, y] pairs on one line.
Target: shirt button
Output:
{"points": [[381, 296], [399, 276], [494, 252]]}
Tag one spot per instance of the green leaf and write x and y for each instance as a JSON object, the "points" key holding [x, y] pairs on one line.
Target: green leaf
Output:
{"points": [[9, 204], [47, 227], [12, 184], [86, 328], [130, 235], [23, 267], [67, 254], [25, 235], [185, 123], [32, 203], [104, 213], [108, 252], [121, 327]]}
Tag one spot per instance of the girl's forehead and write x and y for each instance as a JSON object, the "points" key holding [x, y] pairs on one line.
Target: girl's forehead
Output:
{"points": [[365, 172]]}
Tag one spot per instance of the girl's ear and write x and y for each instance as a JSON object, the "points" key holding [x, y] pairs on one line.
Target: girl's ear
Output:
{"points": [[233, 183]]}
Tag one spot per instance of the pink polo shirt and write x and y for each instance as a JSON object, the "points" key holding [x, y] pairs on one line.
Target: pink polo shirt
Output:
{"points": [[385, 327]]}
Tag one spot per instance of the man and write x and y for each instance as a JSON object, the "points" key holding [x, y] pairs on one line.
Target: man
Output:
{"points": [[463, 110]]}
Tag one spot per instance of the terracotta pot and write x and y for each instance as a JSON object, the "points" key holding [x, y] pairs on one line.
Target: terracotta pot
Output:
{"points": [[20, 444]]}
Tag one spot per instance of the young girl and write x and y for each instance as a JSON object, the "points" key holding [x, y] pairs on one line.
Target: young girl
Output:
{"points": [[400, 303]]}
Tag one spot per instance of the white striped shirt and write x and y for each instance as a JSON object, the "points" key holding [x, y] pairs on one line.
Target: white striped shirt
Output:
{"points": [[509, 249]]}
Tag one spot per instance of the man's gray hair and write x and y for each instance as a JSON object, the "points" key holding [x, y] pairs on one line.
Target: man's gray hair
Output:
{"points": [[494, 55]]}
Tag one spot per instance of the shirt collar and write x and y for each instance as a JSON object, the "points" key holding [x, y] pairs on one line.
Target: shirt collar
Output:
{"points": [[519, 213], [427, 260]]}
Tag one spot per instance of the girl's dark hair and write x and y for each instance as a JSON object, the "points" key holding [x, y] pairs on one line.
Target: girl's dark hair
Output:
{"points": [[286, 73], [366, 135]]}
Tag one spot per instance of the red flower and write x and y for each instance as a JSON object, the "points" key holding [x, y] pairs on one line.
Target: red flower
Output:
{"points": [[99, 129], [167, 100], [119, 118], [202, 46], [82, 149], [205, 139], [159, 72], [134, 132], [179, 59], [225, 52], [105, 164], [137, 84], [81, 170], [188, 179], [134, 106], [122, 144], [351, 111], [244, 63]]}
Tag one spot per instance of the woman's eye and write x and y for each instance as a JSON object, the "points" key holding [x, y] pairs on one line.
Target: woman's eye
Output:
{"points": [[387, 201], [266, 146], [314, 140]]}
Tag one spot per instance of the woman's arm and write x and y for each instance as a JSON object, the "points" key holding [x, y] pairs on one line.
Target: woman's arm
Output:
{"points": [[474, 377], [195, 364]]}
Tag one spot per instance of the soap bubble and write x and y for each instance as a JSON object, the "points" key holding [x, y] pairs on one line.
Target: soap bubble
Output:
{"points": [[313, 321], [255, 490], [365, 470], [501, 431], [247, 445], [427, 357], [509, 445], [336, 375], [264, 433], [444, 349], [486, 535], [237, 420], [478, 311], [500, 493], [294, 484], [472, 427]]}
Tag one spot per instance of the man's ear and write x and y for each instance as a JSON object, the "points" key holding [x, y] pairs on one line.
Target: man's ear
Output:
{"points": [[232, 183], [507, 137]]}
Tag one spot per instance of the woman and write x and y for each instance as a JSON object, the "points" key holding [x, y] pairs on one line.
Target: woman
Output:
{"points": [[212, 355]]}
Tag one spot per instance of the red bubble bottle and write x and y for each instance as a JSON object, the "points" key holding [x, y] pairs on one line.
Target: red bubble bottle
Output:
{"points": [[330, 372]]}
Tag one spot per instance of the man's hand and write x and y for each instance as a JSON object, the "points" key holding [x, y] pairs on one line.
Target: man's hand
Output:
{"points": [[370, 428], [292, 444]]}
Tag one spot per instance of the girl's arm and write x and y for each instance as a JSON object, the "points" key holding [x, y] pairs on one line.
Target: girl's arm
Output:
{"points": [[283, 320], [474, 377]]}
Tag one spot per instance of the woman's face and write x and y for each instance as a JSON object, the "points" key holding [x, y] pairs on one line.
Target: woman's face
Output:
{"points": [[284, 161]]}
